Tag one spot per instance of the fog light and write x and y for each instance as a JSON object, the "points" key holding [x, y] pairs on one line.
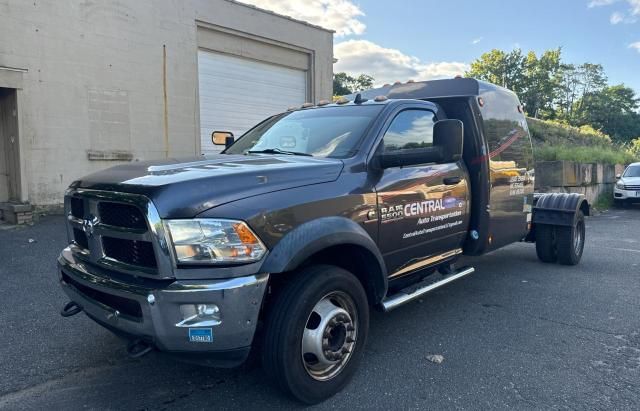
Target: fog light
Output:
{"points": [[199, 315]]}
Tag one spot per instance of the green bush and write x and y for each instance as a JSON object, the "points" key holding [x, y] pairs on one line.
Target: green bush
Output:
{"points": [[584, 154]]}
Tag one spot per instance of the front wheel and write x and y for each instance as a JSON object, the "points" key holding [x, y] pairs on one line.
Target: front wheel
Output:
{"points": [[316, 332]]}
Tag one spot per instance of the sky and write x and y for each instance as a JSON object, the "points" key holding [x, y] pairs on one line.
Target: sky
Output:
{"points": [[401, 40]]}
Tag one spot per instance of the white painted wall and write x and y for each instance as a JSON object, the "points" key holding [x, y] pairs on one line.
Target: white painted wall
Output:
{"points": [[94, 76]]}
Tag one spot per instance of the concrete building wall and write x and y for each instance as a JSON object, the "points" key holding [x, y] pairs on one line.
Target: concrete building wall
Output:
{"points": [[102, 83]]}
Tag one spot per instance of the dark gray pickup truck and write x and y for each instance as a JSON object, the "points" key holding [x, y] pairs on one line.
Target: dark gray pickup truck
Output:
{"points": [[286, 240]]}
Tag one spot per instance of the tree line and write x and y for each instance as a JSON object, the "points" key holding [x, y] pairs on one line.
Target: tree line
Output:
{"points": [[550, 89]]}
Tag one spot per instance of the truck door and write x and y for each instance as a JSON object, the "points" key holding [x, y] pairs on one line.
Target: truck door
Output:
{"points": [[422, 209]]}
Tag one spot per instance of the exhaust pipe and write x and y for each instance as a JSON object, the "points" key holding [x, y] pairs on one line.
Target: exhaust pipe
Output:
{"points": [[70, 308], [138, 348]]}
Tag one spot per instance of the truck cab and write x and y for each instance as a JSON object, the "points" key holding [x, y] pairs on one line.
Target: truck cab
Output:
{"points": [[282, 243]]}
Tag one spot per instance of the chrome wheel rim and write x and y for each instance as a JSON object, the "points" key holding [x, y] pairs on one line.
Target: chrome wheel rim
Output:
{"points": [[329, 336]]}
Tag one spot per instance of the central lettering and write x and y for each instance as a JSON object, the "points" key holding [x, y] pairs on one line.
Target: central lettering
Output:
{"points": [[423, 207]]}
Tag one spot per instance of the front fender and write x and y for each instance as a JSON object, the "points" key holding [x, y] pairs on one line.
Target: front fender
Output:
{"points": [[317, 235]]}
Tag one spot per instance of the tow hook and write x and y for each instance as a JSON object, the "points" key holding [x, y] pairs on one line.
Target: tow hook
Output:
{"points": [[138, 348], [70, 308]]}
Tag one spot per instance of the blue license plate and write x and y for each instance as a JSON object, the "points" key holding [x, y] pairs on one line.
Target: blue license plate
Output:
{"points": [[201, 335]]}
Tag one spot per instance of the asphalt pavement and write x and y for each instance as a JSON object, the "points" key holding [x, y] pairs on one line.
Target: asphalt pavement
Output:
{"points": [[517, 334]]}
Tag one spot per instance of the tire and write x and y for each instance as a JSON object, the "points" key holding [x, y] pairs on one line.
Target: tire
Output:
{"points": [[304, 309], [546, 243], [570, 241]]}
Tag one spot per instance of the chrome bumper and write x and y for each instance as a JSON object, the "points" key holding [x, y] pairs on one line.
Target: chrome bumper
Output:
{"points": [[239, 300]]}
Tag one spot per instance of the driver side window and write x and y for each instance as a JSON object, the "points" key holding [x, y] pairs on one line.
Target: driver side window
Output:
{"points": [[410, 129]]}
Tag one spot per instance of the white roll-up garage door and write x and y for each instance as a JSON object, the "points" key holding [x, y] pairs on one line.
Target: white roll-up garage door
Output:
{"points": [[237, 93]]}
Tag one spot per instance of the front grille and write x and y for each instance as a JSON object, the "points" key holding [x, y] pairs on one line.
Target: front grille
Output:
{"points": [[632, 187], [121, 215], [77, 207], [130, 251], [126, 306], [80, 238]]}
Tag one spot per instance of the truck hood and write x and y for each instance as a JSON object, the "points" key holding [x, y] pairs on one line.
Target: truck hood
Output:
{"points": [[185, 188]]}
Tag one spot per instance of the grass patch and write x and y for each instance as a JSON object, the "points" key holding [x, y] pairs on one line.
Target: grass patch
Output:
{"points": [[584, 154], [604, 201], [555, 133]]}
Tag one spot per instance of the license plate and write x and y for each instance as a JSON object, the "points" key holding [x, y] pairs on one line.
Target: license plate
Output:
{"points": [[200, 335]]}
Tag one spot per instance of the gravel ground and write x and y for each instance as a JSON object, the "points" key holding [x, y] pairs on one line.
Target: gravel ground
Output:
{"points": [[515, 334]]}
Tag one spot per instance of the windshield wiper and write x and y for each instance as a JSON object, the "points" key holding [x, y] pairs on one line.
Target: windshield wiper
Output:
{"points": [[279, 151]]}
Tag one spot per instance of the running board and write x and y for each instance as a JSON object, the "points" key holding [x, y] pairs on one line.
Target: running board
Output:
{"points": [[403, 297]]}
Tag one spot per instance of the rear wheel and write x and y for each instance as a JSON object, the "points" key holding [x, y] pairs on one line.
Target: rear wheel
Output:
{"points": [[571, 241], [546, 243], [316, 332]]}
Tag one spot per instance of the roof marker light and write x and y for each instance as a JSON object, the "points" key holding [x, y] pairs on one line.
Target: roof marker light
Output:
{"points": [[323, 103], [307, 105], [342, 100], [410, 81], [396, 83], [380, 98], [480, 101]]}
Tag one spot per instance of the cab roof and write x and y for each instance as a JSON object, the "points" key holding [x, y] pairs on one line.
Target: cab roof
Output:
{"points": [[421, 90]]}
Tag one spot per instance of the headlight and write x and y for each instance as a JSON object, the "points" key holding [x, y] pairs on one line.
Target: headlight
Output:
{"points": [[212, 241], [620, 185]]}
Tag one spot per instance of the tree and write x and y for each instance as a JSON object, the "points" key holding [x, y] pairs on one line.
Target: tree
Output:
{"points": [[498, 67], [612, 110], [542, 79], [346, 84], [535, 80]]}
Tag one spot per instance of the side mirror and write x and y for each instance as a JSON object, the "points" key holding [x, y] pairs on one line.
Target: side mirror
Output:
{"points": [[618, 176], [222, 138], [448, 135]]}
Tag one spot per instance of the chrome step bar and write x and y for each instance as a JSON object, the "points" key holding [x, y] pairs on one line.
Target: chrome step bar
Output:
{"points": [[402, 297]]}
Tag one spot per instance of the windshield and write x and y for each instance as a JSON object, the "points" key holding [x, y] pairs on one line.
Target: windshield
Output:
{"points": [[323, 132], [632, 171]]}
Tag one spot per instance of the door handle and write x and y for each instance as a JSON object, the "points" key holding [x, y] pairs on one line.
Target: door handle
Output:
{"points": [[451, 180]]}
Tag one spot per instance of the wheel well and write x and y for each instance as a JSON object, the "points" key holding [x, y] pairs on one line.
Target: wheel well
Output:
{"points": [[357, 260], [584, 207]]}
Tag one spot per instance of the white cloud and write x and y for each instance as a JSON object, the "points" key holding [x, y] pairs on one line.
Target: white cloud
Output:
{"points": [[343, 16], [477, 40], [389, 65], [634, 8], [616, 17], [598, 3], [635, 45]]}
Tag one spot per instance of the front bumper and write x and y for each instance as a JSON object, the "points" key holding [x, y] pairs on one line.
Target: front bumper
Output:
{"points": [[626, 195], [152, 313]]}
